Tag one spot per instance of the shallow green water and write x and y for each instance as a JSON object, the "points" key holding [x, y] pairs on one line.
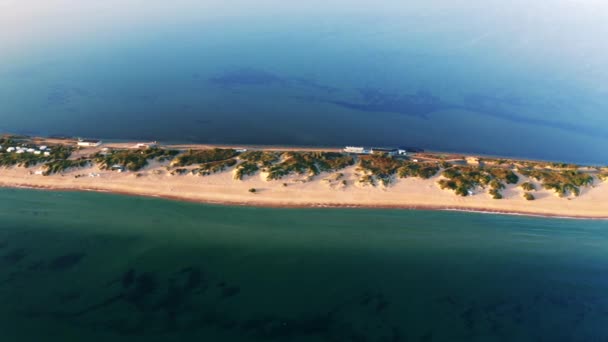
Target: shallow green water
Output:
{"points": [[96, 267]]}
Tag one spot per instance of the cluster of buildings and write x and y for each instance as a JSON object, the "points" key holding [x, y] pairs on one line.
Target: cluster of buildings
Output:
{"points": [[400, 151], [40, 150]]}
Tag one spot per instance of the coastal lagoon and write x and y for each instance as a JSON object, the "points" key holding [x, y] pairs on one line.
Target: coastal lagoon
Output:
{"points": [[513, 79], [99, 267]]}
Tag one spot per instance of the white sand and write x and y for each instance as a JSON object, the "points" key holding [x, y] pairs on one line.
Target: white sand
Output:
{"points": [[156, 181]]}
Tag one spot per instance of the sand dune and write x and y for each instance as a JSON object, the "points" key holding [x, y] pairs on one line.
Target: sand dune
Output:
{"points": [[325, 190]]}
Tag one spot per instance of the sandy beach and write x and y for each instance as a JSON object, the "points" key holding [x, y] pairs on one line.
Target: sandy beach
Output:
{"points": [[302, 191]]}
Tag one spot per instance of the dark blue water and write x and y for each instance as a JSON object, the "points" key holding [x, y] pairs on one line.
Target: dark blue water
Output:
{"points": [[513, 79]]}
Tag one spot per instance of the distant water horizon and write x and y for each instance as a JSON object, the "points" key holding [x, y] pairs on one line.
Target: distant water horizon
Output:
{"points": [[476, 77]]}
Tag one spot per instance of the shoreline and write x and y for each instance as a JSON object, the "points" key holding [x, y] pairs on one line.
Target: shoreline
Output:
{"points": [[260, 204], [349, 183]]}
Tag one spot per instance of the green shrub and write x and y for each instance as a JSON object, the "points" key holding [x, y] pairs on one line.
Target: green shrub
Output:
{"points": [[312, 163], [527, 186], [528, 196], [192, 157], [421, 170], [57, 166], [132, 160], [263, 158], [245, 169], [495, 193], [214, 167]]}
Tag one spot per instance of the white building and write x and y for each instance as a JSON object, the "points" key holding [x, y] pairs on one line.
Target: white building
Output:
{"points": [[30, 150], [89, 143], [241, 150], [37, 152], [42, 148], [355, 149], [46, 154], [10, 149]]}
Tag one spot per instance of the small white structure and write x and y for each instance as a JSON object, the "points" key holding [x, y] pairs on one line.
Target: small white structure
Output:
{"points": [[37, 152], [19, 151], [42, 148], [30, 150], [355, 149], [10, 149], [241, 150], [389, 151], [89, 143], [146, 145], [39, 172], [46, 154], [117, 167]]}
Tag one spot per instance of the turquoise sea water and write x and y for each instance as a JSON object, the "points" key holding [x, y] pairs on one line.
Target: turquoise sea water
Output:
{"points": [[98, 267]]}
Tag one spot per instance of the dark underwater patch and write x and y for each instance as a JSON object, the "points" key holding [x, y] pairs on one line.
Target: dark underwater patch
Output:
{"points": [[68, 297], [37, 266], [245, 77], [230, 291], [15, 256], [375, 100], [65, 261], [128, 278]]}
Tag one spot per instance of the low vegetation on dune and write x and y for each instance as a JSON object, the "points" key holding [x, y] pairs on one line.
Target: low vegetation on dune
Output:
{"points": [[527, 186], [378, 167], [420, 170], [367, 179], [192, 157], [57, 166], [179, 171], [311, 163], [247, 168], [214, 167], [528, 196], [253, 161], [281, 164], [603, 176], [463, 180], [564, 183], [260, 158], [383, 167], [132, 160]]}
